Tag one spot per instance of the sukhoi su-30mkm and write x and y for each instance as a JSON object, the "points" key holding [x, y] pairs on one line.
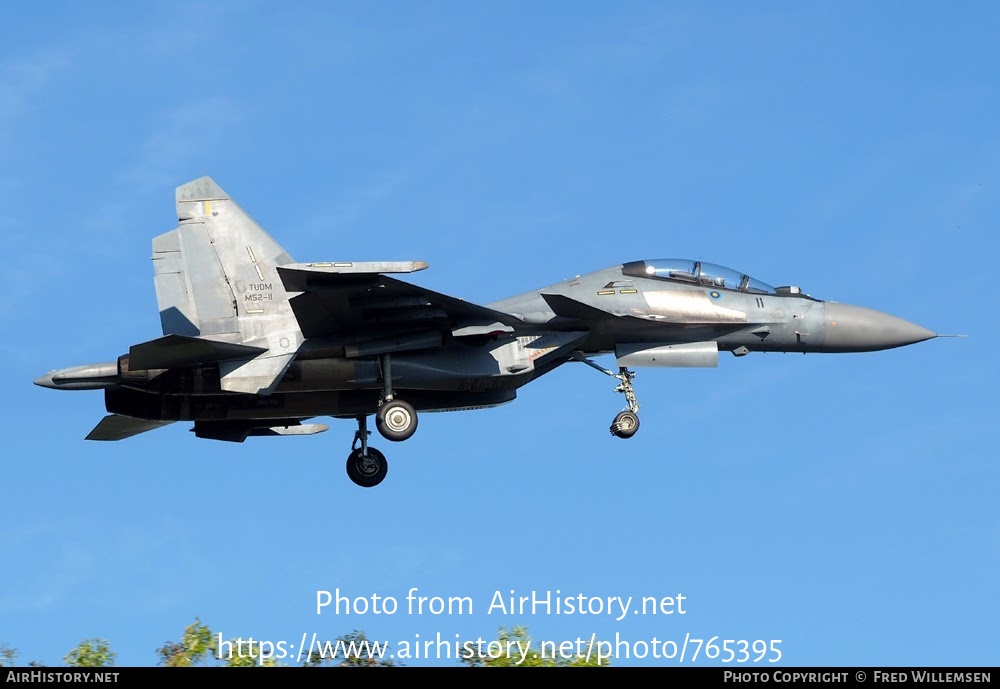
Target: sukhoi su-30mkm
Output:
{"points": [[257, 344]]}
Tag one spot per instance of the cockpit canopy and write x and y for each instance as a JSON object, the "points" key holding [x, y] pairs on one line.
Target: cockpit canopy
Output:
{"points": [[697, 273]]}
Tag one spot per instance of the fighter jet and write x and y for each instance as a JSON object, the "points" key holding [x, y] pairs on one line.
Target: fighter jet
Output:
{"points": [[255, 344]]}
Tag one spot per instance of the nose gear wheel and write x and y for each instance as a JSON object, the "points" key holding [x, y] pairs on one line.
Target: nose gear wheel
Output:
{"points": [[625, 425]]}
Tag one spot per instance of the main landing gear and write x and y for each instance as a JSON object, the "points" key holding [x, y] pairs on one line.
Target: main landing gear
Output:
{"points": [[366, 466], [626, 423], [395, 419]]}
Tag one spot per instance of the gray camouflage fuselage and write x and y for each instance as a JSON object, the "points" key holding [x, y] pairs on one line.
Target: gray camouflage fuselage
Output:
{"points": [[254, 343]]}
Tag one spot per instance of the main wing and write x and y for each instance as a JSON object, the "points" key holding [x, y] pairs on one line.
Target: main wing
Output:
{"points": [[336, 300]]}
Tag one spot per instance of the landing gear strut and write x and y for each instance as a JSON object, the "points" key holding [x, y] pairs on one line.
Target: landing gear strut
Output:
{"points": [[626, 423], [395, 420], [366, 466]]}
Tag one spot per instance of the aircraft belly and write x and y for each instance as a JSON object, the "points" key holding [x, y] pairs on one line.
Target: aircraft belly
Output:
{"points": [[506, 362], [299, 405], [408, 373]]}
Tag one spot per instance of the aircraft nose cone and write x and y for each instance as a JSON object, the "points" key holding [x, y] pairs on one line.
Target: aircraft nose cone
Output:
{"points": [[46, 381], [857, 329]]}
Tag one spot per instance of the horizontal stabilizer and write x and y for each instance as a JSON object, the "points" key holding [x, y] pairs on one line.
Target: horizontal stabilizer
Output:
{"points": [[571, 308], [176, 351], [117, 427]]}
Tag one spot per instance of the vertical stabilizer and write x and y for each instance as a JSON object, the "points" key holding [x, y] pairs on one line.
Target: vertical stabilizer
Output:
{"points": [[216, 278]]}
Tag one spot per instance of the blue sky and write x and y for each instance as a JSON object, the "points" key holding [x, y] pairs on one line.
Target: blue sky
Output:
{"points": [[844, 504]]}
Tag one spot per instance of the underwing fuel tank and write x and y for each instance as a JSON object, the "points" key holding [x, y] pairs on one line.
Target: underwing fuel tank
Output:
{"points": [[685, 355], [87, 377]]}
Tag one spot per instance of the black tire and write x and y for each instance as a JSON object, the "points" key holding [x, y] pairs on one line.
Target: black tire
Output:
{"points": [[396, 420], [625, 425], [368, 471]]}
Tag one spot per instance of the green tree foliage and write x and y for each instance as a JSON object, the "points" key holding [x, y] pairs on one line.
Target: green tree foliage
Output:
{"points": [[91, 653], [516, 638], [195, 647], [250, 657], [8, 656], [199, 647]]}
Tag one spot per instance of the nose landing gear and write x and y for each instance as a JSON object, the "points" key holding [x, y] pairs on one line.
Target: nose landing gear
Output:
{"points": [[626, 423]]}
